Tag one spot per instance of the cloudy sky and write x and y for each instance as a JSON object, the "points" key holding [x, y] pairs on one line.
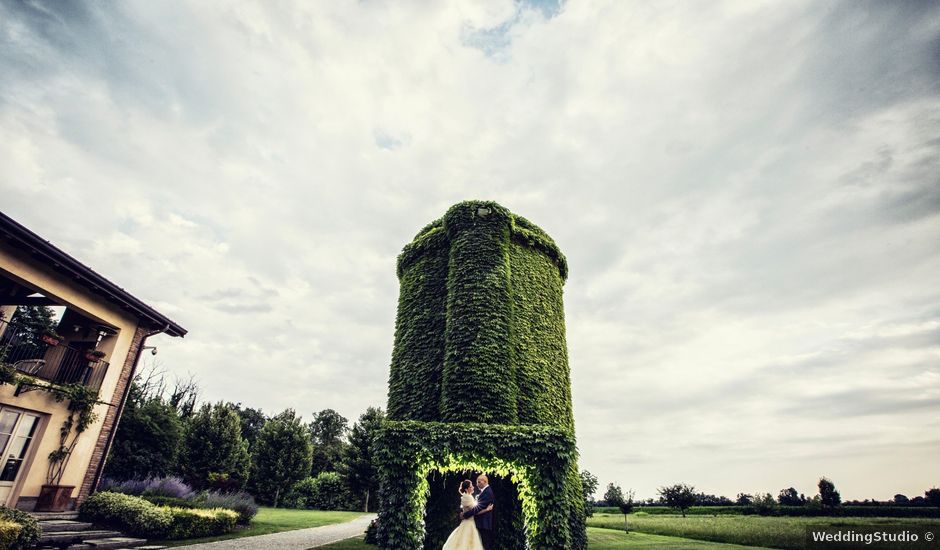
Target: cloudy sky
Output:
{"points": [[748, 194]]}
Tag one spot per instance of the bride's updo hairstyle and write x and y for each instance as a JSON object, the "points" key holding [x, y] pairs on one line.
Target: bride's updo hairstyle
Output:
{"points": [[464, 485]]}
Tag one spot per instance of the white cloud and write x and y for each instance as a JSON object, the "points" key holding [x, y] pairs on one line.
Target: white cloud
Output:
{"points": [[746, 192]]}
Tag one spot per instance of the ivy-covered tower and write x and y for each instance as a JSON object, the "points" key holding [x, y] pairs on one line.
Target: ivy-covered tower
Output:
{"points": [[480, 383]]}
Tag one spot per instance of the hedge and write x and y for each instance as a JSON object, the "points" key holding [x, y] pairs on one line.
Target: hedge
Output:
{"points": [[663, 510], [190, 523], [137, 516], [18, 529], [480, 338], [133, 515]]}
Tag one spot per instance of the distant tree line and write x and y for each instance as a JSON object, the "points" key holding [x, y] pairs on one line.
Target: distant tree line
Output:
{"points": [[681, 497], [282, 461]]}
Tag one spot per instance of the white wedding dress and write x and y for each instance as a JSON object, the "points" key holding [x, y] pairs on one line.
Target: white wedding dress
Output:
{"points": [[465, 536]]}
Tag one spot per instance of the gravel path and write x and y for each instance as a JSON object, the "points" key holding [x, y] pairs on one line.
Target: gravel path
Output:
{"points": [[299, 539]]}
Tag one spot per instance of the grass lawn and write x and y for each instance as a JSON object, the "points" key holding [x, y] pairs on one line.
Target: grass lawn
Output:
{"points": [[599, 539], [612, 539], [348, 544], [275, 520], [773, 532]]}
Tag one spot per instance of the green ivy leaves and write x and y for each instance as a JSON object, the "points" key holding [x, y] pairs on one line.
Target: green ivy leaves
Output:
{"points": [[480, 337], [537, 458]]}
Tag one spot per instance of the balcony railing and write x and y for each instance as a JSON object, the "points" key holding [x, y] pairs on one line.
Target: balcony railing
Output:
{"points": [[57, 363]]}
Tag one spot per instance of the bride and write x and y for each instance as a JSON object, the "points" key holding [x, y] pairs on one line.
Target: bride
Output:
{"points": [[466, 536]]}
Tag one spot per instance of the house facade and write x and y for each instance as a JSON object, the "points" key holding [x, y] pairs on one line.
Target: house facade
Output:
{"points": [[92, 344]]}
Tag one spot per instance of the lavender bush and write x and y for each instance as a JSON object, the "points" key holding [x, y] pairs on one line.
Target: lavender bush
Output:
{"points": [[134, 487], [155, 486], [169, 487]]}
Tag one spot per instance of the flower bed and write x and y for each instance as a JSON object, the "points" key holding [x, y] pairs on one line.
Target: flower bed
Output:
{"points": [[174, 492]]}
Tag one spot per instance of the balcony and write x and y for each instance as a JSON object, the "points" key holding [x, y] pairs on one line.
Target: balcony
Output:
{"points": [[52, 361]]}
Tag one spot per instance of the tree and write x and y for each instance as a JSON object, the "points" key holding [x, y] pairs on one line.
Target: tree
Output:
{"points": [[901, 500], [626, 505], [789, 497], [614, 495], [828, 495], [744, 499], [253, 420], [214, 451], [358, 465], [763, 504], [588, 488], [679, 496], [282, 456], [702, 499], [933, 496], [148, 439], [29, 323], [184, 396], [327, 430]]}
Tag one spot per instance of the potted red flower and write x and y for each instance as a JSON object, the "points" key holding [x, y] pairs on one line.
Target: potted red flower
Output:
{"points": [[50, 338]]}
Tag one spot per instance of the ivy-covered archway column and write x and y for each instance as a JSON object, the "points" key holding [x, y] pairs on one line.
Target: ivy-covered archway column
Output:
{"points": [[480, 336], [537, 458]]}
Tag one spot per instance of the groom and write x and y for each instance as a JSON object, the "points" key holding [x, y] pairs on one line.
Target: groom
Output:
{"points": [[483, 521]]}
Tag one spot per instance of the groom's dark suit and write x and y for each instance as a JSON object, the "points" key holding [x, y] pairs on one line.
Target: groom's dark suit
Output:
{"points": [[484, 521]]}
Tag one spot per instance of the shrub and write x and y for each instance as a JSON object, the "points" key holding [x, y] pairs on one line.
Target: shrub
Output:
{"points": [[9, 532], [26, 533], [193, 522], [137, 516], [327, 491], [241, 502], [169, 501], [130, 514]]}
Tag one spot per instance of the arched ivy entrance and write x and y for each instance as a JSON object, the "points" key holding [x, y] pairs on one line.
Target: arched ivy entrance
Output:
{"points": [[442, 499], [536, 461]]}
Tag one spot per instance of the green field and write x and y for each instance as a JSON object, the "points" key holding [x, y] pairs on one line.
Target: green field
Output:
{"points": [[612, 539], [275, 520], [773, 532]]}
